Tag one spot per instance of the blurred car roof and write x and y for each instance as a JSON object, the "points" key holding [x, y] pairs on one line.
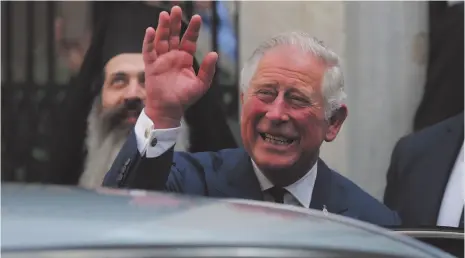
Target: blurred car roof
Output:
{"points": [[46, 217]]}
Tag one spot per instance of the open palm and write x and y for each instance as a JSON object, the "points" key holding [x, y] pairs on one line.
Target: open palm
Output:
{"points": [[170, 81]]}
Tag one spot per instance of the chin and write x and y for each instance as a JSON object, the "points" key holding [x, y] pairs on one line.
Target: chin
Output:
{"points": [[270, 161]]}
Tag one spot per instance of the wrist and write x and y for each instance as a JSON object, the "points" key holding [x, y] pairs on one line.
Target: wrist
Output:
{"points": [[161, 120]]}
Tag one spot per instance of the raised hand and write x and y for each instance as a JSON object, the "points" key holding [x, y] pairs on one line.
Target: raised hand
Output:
{"points": [[170, 81]]}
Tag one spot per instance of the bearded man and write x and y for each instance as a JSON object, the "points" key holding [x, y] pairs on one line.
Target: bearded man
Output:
{"points": [[103, 108]]}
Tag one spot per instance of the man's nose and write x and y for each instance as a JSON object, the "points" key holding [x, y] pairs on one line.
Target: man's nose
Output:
{"points": [[134, 90], [277, 111]]}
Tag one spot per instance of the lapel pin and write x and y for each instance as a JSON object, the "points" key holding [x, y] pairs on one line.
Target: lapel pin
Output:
{"points": [[325, 211]]}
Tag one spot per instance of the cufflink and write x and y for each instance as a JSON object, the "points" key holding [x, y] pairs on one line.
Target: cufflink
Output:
{"points": [[154, 142]]}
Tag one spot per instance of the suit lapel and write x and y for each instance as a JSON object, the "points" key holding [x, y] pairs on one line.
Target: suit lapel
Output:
{"points": [[240, 181], [326, 193], [435, 171]]}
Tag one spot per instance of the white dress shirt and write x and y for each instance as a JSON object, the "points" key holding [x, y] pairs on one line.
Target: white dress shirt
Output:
{"points": [[299, 193], [453, 200], [146, 134]]}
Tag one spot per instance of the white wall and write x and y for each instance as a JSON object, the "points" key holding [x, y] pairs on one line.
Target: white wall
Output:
{"points": [[383, 52]]}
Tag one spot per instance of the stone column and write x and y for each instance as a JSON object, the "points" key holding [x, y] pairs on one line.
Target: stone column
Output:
{"points": [[385, 74]]}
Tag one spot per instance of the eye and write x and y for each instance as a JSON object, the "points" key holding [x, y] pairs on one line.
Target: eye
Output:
{"points": [[299, 101], [119, 80], [266, 94]]}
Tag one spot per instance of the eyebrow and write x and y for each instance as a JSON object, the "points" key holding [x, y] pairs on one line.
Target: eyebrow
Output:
{"points": [[265, 84], [119, 73], [307, 93]]}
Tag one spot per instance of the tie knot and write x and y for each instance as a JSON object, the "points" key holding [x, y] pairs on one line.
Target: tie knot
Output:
{"points": [[277, 193]]}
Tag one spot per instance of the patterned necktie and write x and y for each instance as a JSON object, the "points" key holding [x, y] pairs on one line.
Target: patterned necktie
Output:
{"points": [[277, 193]]}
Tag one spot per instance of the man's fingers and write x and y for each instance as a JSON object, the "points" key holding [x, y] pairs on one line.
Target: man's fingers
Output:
{"points": [[162, 34], [175, 27], [148, 49], [207, 69], [189, 40]]}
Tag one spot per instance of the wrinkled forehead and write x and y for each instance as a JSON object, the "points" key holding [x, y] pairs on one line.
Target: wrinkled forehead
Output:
{"points": [[292, 58], [290, 65], [131, 63]]}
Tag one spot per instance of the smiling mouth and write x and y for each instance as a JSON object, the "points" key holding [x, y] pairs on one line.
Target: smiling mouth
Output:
{"points": [[276, 139]]}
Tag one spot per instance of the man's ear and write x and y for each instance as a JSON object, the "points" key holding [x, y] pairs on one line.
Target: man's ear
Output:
{"points": [[242, 98], [335, 123]]}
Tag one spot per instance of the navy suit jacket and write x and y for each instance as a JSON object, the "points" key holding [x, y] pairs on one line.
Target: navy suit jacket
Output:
{"points": [[420, 168], [229, 174]]}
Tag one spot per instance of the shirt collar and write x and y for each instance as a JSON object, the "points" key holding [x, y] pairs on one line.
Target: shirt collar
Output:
{"points": [[302, 189]]}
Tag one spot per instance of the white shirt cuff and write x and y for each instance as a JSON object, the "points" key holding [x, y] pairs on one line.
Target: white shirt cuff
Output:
{"points": [[153, 142]]}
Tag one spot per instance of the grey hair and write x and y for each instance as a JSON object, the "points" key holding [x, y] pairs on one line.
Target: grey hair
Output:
{"points": [[333, 81]]}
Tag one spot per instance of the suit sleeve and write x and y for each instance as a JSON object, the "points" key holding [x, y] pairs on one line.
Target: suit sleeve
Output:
{"points": [[179, 172], [132, 170], [392, 177], [145, 160]]}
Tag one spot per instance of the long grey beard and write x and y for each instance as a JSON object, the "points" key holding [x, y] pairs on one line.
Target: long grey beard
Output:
{"points": [[103, 146]]}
